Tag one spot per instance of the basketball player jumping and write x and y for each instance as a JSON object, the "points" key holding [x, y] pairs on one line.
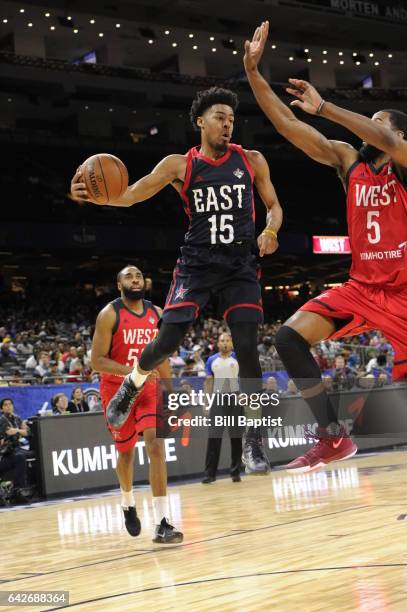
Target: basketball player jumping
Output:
{"points": [[375, 297], [123, 328], [215, 182]]}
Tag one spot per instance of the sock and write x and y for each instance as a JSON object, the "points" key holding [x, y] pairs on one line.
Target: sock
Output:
{"points": [[294, 352], [161, 509], [127, 498], [137, 378]]}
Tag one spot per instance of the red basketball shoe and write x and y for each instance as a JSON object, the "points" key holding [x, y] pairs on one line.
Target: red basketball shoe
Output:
{"points": [[328, 448]]}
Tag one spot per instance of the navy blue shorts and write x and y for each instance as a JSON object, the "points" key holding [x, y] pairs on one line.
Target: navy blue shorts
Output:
{"points": [[231, 273]]}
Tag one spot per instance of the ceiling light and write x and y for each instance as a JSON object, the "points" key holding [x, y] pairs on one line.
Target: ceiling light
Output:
{"points": [[167, 32], [371, 54], [86, 107], [306, 50], [341, 62], [195, 47], [309, 60], [5, 20], [52, 28], [100, 34], [211, 38], [110, 110], [324, 52], [92, 21], [190, 35], [324, 61], [273, 46], [354, 54], [22, 11], [75, 31], [234, 52], [340, 53], [9, 99], [213, 49], [377, 63], [117, 25], [390, 55], [69, 18], [47, 14], [357, 63], [30, 25], [174, 44], [291, 58]]}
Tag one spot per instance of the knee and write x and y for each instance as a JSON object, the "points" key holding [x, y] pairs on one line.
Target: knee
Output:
{"points": [[155, 448], [287, 338], [126, 457]]}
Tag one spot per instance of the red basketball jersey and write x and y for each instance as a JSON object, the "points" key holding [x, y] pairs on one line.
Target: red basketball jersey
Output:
{"points": [[377, 221], [131, 333]]}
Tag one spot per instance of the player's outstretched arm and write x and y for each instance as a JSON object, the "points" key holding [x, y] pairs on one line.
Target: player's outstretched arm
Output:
{"points": [[101, 343], [372, 132], [167, 170], [332, 153]]}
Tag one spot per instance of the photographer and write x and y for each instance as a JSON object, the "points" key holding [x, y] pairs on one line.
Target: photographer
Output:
{"points": [[11, 459]]}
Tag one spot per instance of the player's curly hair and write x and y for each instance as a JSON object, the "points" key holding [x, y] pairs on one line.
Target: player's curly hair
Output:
{"points": [[398, 120], [207, 98]]}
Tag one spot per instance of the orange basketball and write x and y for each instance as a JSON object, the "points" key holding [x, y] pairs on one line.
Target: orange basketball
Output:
{"points": [[106, 177]]}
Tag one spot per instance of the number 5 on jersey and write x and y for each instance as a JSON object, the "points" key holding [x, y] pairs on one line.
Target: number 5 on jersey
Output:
{"points": [[132, 356], [373, 225]]}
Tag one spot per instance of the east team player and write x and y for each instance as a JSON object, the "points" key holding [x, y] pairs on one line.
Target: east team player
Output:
{"points": [[375, 297], [215, 182], [123, 328]]}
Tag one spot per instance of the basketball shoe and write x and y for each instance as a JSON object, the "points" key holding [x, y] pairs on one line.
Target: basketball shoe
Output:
{"points": [[167, 534], [333, 446], [131, 521], [120, 405], [254, 457]]}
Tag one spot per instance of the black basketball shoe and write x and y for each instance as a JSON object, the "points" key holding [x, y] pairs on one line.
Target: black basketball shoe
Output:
{"points": [[132, 521], [167, 534], [121, 403], [254, 457]]}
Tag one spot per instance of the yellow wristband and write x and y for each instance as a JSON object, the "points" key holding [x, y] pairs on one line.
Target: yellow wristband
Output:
{"points": [[270, 232]]}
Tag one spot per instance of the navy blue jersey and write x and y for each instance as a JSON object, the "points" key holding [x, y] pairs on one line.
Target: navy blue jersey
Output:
{"points": [[218, 198]]}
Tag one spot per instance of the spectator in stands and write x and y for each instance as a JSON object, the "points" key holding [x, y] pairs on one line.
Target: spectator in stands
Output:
{"points": [[320, 358], [184, 386], [176, 363], [291, 390], [12, 428], [78, 402], [382, 379], [24, 347], [189, 369], [59, 404], [366, 382], [6, 356], [327, 381], [343, 376], [271, 385], [43, 369], [378, 362], [67, 357], [199, 365], [76, 370]]}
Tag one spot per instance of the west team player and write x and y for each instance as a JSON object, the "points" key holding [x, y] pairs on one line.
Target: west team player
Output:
{"points": [[123, 328], [375, 297], [215, 182]]}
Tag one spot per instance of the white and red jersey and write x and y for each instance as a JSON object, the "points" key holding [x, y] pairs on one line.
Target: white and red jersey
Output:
{"points": [[377, 220], [130, 334]]}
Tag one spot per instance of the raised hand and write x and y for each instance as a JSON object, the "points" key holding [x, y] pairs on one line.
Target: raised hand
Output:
{"points": [[79, 192], [308, 99], [254, 48]]}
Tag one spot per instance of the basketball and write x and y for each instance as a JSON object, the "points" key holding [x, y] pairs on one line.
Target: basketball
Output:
{"points": [[106, 177]]}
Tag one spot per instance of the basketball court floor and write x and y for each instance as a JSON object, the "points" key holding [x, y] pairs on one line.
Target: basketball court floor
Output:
{"points": [[333, 540]]}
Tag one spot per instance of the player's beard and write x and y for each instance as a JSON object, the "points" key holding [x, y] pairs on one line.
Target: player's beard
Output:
{"points": [[369, 153], [133, 294]]}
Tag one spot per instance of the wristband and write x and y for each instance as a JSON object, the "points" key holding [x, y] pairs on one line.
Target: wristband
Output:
{"points": [[320, 107], [270, 232]]}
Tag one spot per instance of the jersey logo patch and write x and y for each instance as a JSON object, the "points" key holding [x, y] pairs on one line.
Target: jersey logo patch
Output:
{"points": [[151, 320], [180, 292], [239, 173]]}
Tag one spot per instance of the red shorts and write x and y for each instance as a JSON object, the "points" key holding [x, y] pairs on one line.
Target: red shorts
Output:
{"points": [[146, 413], [364, 308]]}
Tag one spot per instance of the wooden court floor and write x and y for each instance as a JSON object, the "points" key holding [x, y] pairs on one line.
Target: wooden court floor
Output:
{"points": [[331, 541]]}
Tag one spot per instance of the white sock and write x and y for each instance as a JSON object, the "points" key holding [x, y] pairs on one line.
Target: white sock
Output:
{"points": [[137, 378], [161, 509], [127, 498]]}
